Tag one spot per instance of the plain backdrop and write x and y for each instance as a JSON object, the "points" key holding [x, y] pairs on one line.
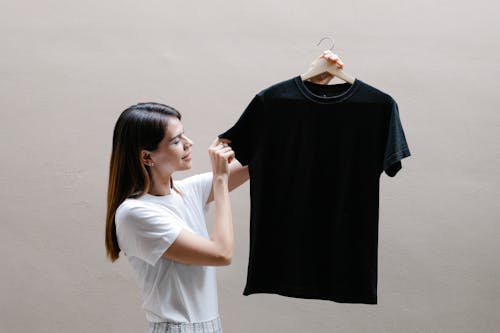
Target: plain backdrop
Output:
{"points": [[69, 68]]}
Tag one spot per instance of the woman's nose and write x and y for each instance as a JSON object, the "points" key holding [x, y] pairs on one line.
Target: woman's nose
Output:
{"points": [[189, 141]]}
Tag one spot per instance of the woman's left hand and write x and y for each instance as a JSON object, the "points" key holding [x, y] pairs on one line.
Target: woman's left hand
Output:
{"points": [[326, 77]]}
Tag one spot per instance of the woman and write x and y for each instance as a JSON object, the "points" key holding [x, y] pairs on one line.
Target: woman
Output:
{"points": [[160, 226]]}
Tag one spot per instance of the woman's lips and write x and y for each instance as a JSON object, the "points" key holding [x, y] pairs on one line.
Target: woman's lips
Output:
{"points": [[187, 157]]}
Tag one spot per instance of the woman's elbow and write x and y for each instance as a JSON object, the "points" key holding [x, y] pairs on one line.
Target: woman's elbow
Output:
{"points": [[226, 262], [226, 258]]}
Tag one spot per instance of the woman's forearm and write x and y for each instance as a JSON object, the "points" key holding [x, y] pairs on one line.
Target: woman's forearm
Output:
{"points": [[223, 234]]}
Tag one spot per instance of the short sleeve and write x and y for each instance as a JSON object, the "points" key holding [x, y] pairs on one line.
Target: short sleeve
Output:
{"points": [[200, 185], [243, 134], [145, 233], [396, 147]]}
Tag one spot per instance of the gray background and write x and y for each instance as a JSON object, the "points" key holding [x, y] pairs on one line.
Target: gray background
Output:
{"points": [[68, 69]]}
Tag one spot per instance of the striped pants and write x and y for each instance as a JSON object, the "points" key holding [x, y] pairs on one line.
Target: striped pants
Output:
{"points": [[211, 326]]}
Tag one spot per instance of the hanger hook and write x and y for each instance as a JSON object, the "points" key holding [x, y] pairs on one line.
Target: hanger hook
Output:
{"points": [[333, 43]]}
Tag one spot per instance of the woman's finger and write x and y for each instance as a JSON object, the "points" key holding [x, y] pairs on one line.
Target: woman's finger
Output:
{"points": [[334, 59], [221, 146], [224, 150], [227, 155], [219, 141]]}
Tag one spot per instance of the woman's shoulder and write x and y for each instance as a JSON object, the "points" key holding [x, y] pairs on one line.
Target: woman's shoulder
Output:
{"points": [[194, 180], [197, 186], [133, 206], [133, 202]]}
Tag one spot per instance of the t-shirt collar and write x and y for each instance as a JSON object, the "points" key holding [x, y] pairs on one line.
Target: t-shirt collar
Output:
{"points": [[346, 93]]}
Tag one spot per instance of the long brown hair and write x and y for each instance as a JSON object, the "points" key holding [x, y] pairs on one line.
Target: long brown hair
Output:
{"points": [[141, 126]]}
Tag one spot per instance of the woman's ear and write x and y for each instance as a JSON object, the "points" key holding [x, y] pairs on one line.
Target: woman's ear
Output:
{"points": [[146, 157]]}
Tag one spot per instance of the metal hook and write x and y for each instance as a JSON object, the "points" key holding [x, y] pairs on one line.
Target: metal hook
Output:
{"points": [[333, 43]]}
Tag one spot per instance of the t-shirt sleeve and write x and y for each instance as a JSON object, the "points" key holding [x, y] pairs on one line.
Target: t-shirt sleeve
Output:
{"points": [[200, 185], [396, 147], [145, 233], [243, 134]]}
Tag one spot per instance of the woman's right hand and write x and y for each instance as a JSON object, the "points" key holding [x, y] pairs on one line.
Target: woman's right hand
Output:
{"points": [[326, 77], [221, 154]]}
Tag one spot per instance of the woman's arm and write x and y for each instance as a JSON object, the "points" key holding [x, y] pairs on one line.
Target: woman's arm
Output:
{"points": [[237, 176], [191, 248]]}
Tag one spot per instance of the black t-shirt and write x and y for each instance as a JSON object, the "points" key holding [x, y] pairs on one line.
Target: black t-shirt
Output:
{"points": [[315, 154]]}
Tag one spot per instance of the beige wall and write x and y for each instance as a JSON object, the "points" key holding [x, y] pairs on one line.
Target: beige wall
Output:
{"points": [[67, 70]]}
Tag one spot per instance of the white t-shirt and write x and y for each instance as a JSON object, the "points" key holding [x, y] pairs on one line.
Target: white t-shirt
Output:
{"points": [[145, 228]]}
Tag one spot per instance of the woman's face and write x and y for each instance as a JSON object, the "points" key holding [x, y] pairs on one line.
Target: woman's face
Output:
{"points": [[174, 151]]}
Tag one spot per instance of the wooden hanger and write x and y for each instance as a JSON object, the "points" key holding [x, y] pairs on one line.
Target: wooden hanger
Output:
{"points": [[321, 65]]}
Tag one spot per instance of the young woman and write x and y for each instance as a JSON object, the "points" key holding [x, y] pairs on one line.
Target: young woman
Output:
{"points": [[160, 226]]}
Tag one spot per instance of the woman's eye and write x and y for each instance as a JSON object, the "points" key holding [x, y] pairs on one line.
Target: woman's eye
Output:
{"points": [[177, 141]]}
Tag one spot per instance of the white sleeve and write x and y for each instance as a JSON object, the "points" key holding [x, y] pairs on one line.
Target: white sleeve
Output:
{"points": [[145, 233], [200, 185]]}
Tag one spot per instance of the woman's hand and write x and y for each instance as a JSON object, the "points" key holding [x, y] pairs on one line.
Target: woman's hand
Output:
{"points": [[326, 77], [221, 154]]}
